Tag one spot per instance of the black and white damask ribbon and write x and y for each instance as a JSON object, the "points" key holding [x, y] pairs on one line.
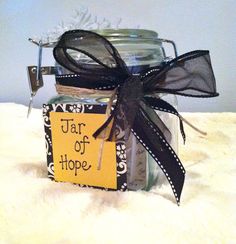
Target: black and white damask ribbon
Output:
{"points": [[190, 74]]}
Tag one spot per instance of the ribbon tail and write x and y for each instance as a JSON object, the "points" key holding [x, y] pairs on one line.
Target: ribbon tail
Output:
{"points": [[109, 123], [153, 140], [163, 106], [158, 121], [104, 126], [124, 112]]}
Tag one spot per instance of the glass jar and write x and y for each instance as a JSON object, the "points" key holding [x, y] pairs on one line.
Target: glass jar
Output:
{"points": [[140, 49]]}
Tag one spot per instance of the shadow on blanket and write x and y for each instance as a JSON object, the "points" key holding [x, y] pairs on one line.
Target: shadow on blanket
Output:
{"points": [[38, 170]]}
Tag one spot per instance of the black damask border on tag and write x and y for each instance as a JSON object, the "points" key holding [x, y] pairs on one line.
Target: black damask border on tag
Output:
{"points": [[85, 108]]}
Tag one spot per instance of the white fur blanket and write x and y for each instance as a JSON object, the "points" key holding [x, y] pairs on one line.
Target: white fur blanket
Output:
{"points": [[34, 209]]}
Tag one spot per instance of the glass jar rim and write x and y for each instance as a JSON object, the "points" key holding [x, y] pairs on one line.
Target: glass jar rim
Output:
{"points": [[127, 33], [115, 35]]}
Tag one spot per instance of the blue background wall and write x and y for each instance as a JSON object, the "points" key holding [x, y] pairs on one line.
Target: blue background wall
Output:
{"points": [[193, 24]]}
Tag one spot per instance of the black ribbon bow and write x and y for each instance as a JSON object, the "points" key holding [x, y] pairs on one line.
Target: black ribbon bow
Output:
{"points": [[190, 74]]}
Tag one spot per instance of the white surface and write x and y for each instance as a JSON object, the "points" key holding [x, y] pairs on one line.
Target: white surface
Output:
{"points": [[194, 24], [34, 209]]}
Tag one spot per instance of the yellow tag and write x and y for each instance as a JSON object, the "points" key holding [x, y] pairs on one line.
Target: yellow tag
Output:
{"points": [[76, 152]]}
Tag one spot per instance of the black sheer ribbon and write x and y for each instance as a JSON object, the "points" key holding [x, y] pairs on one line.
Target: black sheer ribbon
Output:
{"points": [[190, 74]]}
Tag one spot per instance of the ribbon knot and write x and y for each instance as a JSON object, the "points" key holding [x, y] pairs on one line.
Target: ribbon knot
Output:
{"points": [[137, 96]]}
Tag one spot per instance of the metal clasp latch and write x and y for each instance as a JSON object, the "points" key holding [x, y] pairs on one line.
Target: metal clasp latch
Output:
{"points": [[36, 81], [35, 75], [172, 43]]}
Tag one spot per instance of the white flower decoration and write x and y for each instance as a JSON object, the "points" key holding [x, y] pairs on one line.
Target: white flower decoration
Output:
{"points": [[45, 108], [76, 108], [121, 152]]}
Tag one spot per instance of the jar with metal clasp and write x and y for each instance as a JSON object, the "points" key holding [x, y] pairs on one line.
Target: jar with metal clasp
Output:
{"points": [[140, 49]]}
